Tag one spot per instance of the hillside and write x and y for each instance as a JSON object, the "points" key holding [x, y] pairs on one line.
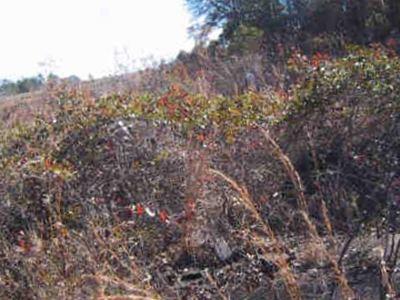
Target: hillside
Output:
{"points": [[178, 194]]}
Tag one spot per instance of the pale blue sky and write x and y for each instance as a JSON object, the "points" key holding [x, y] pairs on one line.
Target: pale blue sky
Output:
{"points": [[85, 37]]}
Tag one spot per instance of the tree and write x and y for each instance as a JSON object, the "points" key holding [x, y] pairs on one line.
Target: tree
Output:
{"points": [[310, 24], [24, 85], [231, 14], [8, 87], [30, 84]]}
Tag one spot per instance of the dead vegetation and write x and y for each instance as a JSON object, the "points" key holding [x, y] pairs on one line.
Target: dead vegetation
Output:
{"points": [[269, 194]]}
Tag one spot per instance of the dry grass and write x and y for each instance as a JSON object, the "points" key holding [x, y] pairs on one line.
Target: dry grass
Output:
{"points": [[84, 238], [347, 292], [277, 247]]}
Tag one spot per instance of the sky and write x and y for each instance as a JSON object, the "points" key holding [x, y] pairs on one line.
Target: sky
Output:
{"points": [[82, 37]]}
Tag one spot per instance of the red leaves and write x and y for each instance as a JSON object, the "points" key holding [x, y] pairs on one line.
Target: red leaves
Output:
{"points": [[172, 108], [48, 163], [163, 216], [201, 137], [190, 209], [163, 101], [166, 103], [139, 209], [188, 213], [318, 58], [174, 102], [23, 245], [282, 94]]}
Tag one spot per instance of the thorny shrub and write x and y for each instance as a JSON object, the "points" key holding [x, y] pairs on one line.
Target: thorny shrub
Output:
{"points": [[122, 178]]}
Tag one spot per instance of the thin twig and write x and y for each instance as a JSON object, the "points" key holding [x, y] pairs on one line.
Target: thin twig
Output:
{"points": [[344, 249]]}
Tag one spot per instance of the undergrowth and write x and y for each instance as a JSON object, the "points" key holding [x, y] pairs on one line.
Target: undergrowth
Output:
{"points": [[100, 195]]}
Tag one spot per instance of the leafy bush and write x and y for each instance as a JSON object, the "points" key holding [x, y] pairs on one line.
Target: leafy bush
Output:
{"points": [[345, 112], [140, 184]]}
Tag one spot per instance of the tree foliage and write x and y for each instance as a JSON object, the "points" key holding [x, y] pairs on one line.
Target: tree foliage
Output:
{"points": [[300, 21], [24, 85], [230, 14]]}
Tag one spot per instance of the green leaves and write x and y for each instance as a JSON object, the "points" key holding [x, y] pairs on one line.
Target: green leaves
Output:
{"points": [[362, 75]]}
